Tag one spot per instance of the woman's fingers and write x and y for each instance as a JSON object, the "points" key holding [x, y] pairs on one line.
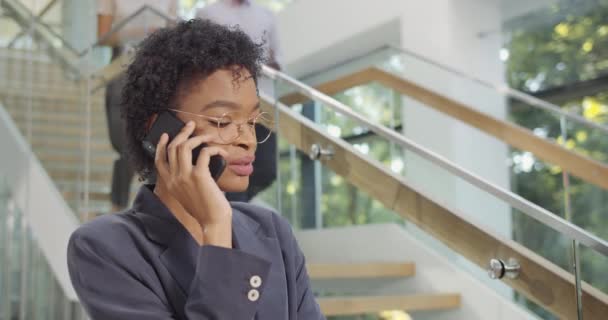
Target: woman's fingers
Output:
{"points": [[160, 159], [184, 152], [202, 163], [182, 136]]}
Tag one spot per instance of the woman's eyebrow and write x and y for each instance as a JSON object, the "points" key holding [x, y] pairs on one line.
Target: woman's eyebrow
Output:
{"points": [[220, 104]]}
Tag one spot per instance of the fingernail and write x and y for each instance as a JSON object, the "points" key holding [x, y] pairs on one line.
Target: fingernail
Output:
{"points": [[190, 123]]}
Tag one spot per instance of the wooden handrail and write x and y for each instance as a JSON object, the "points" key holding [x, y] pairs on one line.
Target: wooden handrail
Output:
{"points": [[516, 136], [540, 280]]}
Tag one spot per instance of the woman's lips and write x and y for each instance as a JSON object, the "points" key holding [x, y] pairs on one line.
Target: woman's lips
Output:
{"points": [[241, 169], [242, 166]]}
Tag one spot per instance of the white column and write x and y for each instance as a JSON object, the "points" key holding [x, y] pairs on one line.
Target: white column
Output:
{"points": [[449, 33]]}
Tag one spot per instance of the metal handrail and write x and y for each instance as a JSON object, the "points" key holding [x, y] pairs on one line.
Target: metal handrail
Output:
{"points": [[539, 213]]}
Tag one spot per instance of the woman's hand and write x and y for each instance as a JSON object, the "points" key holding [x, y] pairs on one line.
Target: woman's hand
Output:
{"points": [[193, 186]]}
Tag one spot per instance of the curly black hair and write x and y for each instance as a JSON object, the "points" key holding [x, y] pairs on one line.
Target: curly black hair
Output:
{"points": [[167, 62]]}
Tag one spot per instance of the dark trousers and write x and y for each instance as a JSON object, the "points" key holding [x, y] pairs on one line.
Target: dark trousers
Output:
{"points": [[264, 168], [122, 173]]}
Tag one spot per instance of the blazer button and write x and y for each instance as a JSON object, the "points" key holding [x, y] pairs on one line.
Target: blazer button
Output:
{"points": [[255, 281], [253, 295]]}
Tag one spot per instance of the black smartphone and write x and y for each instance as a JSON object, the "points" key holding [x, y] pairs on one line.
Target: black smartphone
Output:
{"points": [[168, 122]]}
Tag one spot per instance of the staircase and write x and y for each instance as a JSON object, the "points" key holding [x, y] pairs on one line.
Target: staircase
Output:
{"points": [[58, 128]]}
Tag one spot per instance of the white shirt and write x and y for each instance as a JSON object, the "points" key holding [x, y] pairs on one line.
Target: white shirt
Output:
{"points": [[146, 22], [256, 21]]}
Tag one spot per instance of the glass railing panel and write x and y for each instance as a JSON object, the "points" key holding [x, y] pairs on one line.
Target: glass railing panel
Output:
{"points": [[586, 118], [28, 288], [527, 174], [523, 109], [439, 183], [506, 104], [320, 197], [502, 217], [284, 193], [274, 195], [593, 273]]}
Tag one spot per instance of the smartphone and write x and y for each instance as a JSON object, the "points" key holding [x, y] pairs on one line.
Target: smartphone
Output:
{"points": [[168, 122]]}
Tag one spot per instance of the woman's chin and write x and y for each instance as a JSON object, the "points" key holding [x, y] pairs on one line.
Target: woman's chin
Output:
{"points": [[233, 183]]}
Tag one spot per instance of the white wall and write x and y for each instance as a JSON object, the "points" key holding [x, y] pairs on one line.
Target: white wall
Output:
{"points": [[310, 26]]}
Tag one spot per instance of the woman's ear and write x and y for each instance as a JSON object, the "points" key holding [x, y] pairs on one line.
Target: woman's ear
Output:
{"points": [[151, 121]]}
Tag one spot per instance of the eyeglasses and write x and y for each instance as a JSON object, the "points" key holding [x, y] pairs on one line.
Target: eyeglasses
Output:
{"points": [[229, 130]]}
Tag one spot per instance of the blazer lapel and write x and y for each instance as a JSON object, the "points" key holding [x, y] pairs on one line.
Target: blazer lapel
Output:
{"points": [[161, 227]]}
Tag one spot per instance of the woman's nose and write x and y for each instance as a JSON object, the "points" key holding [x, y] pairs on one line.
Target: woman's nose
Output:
{"points": [[247, 135]]}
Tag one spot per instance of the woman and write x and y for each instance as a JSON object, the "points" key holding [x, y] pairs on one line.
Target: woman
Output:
{"points": [[183, 251]]}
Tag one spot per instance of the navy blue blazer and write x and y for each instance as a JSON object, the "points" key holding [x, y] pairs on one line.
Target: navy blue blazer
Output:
{"points": [[143, 264]]}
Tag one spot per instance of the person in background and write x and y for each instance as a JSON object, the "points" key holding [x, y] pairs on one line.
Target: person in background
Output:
{"points": [[109, 14], [259, 24]]}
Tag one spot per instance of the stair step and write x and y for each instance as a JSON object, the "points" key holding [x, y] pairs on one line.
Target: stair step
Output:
{"points": [[22, 56], [19, 75], [67, 118], [96, 174], [361, 270], [64, 145], [98, 177], [31, 81], [43, 98], [74, 158], [37, 137], [69, 139], [20, 106], [76, 186], [21, 65], [357, 305], [96, 208], [47, 127], [51, 129], [95, 196], [98, 197], [70, 97]]}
